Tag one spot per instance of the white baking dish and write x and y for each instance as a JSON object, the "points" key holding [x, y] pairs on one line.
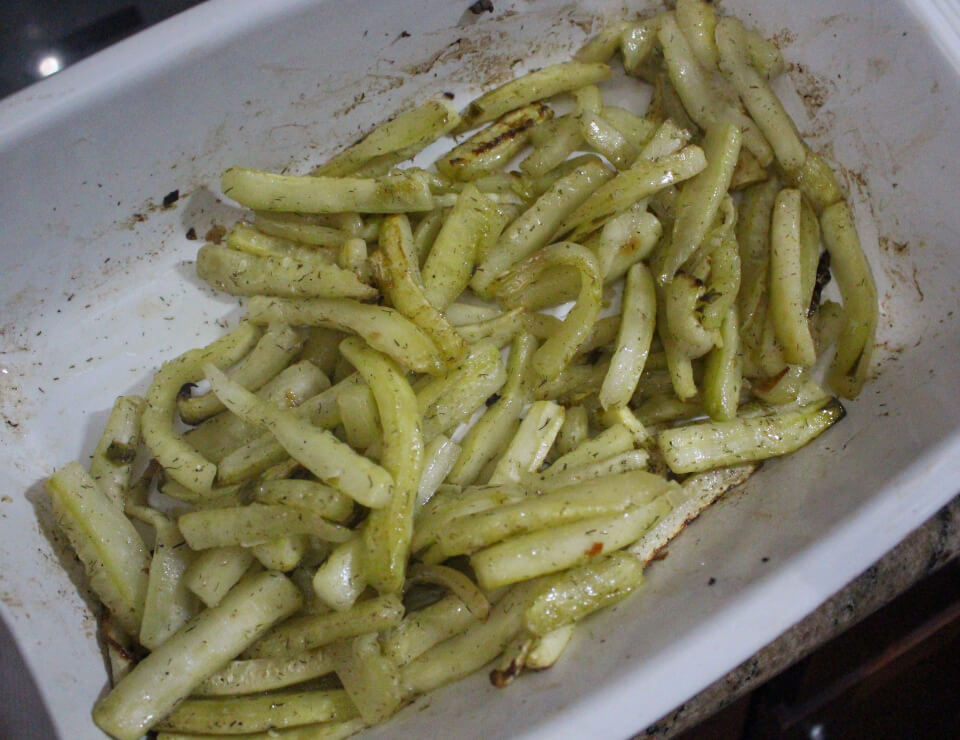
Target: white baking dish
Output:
{"points": [[93, 296]]}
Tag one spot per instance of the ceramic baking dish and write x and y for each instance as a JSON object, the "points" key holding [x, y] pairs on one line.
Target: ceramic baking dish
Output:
{"points": [[97, 287]]}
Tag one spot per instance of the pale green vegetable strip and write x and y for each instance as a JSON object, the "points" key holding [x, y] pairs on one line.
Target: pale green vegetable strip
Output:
{"points": [[625, 462], [215, 571], [254, 524], [512, 661], [287, 226], [623, 415], [278, 345], [478, 645], [117, 448], [456, 249], [426, 232], [489, 434], [706, 104], [666, 103], [536, 185], [358, 414], [499, 330], [723, 372], [462, 314], [315, 448], [698, 447], [637, 325], [816, 181], [198, 650], [668, 139], [786, 307], [321, 731], [371, 680], [265, 674], [180, 461], [397, 273], [546, 650], [557, 351], [753, 239], [450, 504], [533, 86], [610, 442], [637, 129], [250, 459], [552, 151], [305, 633], [700, 198], [383, 328], [664, 408], [282, 553], [533, 228], [599, 497], [579, 592], [604, 333], [828, 324], [439, 457], [764, 54], [696, 494], [575, 429], [422, 629], [641, 181], [762, 103], [354, 224], [602, 47], [243, 714], [851, 365], [388, 531], [353, 258], [796, 386], [265, 191], [250, 240], [490, 148], [305, 494], [598, 132], [636, 44], [169, 604], [632, 235], [222, 434], [762, 356], [574, 384], [408, 133], [321, 348], [106, 542], [748, 172], [697, 21], [509, 190], [452, 399], [339, 581], [810, 250], [723, 283], [559, 548], [654, 383], [687, 334], [530, 445], [455, 582]]}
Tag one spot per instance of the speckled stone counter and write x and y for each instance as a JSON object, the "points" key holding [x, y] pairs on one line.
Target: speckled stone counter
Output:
{"points": [[922, 552]]}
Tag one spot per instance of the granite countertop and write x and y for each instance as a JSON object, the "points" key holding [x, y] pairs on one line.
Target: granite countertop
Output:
{"points": [[925, 550]]}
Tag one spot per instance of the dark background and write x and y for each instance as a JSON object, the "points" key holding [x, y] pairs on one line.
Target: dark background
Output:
{"points": [[31, 30]]}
